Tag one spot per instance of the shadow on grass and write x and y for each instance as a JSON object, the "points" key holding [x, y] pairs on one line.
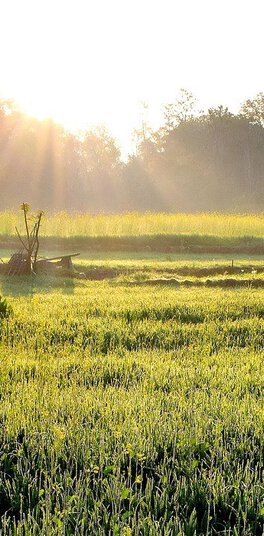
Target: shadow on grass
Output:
{"points": [[221, 283], [28, 285], [166, 243]]}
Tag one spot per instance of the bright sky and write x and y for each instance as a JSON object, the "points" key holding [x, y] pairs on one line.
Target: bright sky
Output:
{"points": [[88, 62]]}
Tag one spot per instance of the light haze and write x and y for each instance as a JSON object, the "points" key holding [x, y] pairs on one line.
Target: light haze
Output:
{"points": [[85, 63]]}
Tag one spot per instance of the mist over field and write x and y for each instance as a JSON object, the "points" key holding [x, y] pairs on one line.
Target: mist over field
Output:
{"points": [[196, 161]]}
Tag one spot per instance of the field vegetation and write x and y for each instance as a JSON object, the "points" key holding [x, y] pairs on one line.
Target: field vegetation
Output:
{"points": [[135, 224], [149, 232], [131, 409]]}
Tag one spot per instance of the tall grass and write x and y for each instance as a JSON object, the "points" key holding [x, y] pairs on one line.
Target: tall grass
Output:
{"points": [[135, 224], [131, 411]]}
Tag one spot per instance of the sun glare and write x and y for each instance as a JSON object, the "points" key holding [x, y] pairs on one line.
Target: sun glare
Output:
{"points": [[85, 63]]}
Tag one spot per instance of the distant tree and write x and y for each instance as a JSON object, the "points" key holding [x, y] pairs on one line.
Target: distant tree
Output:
{"points": [[74, 190], [143, 132], [253, 109], [195, 161], [181, 110], [99, 150], [101, 165], [7, 106]]}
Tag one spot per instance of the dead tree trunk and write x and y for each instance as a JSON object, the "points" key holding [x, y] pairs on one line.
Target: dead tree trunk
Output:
{"points": [[30, 244]]}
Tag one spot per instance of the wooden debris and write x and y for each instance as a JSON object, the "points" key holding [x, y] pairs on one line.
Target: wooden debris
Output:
{"points": [[62, 261], [26, 261]]}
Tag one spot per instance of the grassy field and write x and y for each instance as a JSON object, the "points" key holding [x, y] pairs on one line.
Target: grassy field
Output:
{"points": [[143, 233], [135, 224], [132, 410]]}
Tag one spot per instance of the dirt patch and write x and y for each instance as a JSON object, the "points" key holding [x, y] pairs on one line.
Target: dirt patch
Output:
{"points": [[215, 270], [232, 282], [221, 283]]}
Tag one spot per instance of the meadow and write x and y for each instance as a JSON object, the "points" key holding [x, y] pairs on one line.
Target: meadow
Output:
{"points": [[229, 234], [130, 408], [63, 225]]}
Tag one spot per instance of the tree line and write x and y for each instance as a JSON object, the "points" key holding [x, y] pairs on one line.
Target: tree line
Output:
{"points": [[195, 161]]}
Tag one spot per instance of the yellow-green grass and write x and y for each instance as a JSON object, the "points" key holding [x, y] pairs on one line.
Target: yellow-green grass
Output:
{"points": [[136, 224], [131, 411]]}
